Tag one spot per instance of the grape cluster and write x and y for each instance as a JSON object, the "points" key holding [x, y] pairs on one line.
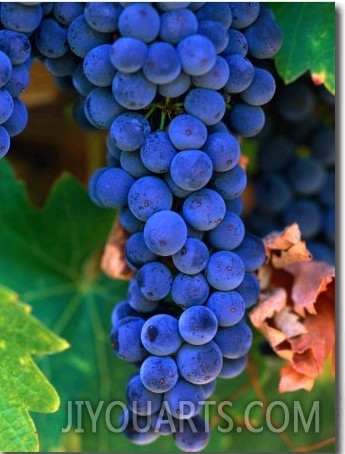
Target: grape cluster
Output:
{"points": [[295, 175], [174, 85]]}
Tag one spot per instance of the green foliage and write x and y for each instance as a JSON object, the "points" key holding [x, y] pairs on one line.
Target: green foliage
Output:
{"points": [[23, 386], [51, 258], [308, 41]]}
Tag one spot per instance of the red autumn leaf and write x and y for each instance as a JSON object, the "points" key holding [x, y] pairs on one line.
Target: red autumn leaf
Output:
{"points": [[113, 262], [296, 308]]}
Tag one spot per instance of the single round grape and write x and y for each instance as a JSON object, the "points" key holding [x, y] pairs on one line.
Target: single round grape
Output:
{"points": [[249, 289], [6, 105], [244, 14], [189, 290], [102, 16], [4, 142], [122, 310], [131, 162], [233, 367], [154, 281], [223, 149], [216, 78], [199, 364], [184, 400], [234, 341], [228, 307], [18, 119], [197, 54], [136, 251], [140, 400], [217, 11], [128, 54], [148, 195], [192, 258], [129, 131], [191, 169], [261, 89], [133, 91], [100, 108], [230, 184], [162, 64], [177, 25], [165, 232], [198, 325], [5, 68], [206, 105], [65, 12], [252, 252], [225, 270], [97, 66], [176, 87], [204, 209], [157, 152], [241, 73], [125, 339], [187, 132], [215, 32], [159, 374], [141, 21], [15, 45], [137, 428], [160, 335], [20, 18], [193, 436], [246, 120], [137, 301]]}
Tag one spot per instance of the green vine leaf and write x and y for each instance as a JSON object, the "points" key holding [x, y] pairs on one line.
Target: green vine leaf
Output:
{"points": [[23, 386], [308, 41]]}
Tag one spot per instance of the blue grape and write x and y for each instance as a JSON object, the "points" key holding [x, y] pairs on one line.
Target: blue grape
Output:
{"points": [[191, 169], [125, 339], [246, 120], [307, 175], [223, 149], [209, 388], [233, 367], [215, 32], [102, 16], [140, 400], [165, 232], [20, 18], [139, 21], [216, 11], [162, 422], [327, 193], [160, 335], [111, 188], [157, 152], [128, 54], [19, 80], [100, 108], [321, 252], [64, 65], [189, 290], [176, 87], [5, 68], [264, 38], [136, 251], [171, 6], [249, 289], [235, 205], [47, 8], [273, 193], [80, 82], [198, 325], [18, 119], [131, 162], [129, 222], [216, 78], [194, 6], [6, 105], [218, 127], [154, 281], [199, 364], [133, 91], [241, 73], [276, 153], [234, 341], [15, 45], [244, 14], [176, 190], [162, 64], [148, 195], [204, 209], [4, 142], [129, 131], [197, 54], [237, 44], [296, 102], [230, 184], [252, 252], [137, 428], [184, 400], [51, 39], [228, 234], [193, 436], [137, 301], [192, 258], [98, 67], [206, 105], [225, 270], [82, 38], [122, 310], [177, 25], [261, 90], [228, 307], [187, 132], [307, 214], [323, 146], [65, 12], [159, 374]]}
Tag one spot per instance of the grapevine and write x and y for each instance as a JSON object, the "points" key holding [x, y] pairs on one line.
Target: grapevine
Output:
{"points": [[177, 91]]}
